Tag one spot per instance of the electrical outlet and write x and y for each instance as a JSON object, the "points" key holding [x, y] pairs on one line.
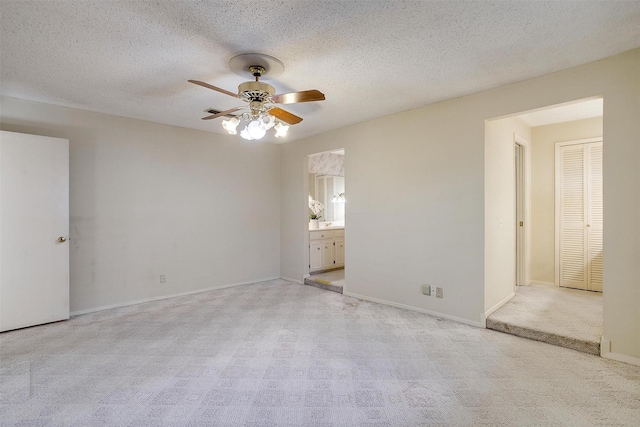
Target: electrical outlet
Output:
{"points": [[433, 289], [426, 290], [438, 292], [163, 278]]}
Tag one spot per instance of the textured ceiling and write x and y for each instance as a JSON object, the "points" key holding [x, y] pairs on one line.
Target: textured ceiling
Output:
{"points": [[370, 58]]}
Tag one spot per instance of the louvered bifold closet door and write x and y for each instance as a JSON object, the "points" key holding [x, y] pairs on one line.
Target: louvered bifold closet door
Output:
{"points": [[594, 216], [580, 204], [573, 272]]}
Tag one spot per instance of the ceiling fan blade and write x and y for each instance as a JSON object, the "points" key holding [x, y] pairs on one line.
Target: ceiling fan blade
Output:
{"points": [[222, 113], [294, 97], [217, 89], [285, 116]]}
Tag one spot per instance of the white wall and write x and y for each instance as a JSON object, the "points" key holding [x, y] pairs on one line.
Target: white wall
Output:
{"points": [[544, 139], [500, 220], [416, 209], [149, 199]]}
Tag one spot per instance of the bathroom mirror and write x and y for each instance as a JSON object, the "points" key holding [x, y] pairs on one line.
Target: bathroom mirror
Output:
{"points": [[323, 188]]}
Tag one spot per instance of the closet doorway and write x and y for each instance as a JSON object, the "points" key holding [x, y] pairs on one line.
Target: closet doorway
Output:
{"points": [[559, 297]]}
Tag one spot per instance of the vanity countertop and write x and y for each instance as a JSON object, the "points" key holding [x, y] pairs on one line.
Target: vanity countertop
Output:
{"points": [[333, 227]]}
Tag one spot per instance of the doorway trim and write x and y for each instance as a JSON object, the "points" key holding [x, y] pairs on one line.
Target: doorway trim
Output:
{"points": [[523, 240]]}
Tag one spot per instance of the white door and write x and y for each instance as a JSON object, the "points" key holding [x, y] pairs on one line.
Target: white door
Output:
{"points": [[315, 255], [34, 229], [579, 211]]}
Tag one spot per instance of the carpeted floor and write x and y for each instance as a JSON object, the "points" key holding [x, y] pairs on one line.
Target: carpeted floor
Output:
{"points": [[283, 354], [565, 317]]}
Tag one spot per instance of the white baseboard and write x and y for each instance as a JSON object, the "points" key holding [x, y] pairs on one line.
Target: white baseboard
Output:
{"points": [[539, 282], [161, 297], [605, 351], [483, 316], [412, 308], [291, 279]]}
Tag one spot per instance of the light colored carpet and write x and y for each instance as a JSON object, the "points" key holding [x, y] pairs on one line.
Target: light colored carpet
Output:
{"points": [[565, 317], [329, 280], [283, 354]]}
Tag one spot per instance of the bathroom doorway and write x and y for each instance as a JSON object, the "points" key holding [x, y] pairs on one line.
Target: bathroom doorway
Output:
{"points": [[327, 225]]}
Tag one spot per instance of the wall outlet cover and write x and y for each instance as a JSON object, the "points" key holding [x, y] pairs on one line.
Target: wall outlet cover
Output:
{"points": [[438, 292], [433, 289]]}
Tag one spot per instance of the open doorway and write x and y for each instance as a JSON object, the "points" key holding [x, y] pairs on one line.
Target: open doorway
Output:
{"points": [[327, 210], [557, 198]]}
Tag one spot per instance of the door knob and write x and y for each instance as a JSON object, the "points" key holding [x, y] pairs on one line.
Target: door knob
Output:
{"points": [[62, 239]]}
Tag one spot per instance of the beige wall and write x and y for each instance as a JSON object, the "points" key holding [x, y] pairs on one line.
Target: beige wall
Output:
{"points": [[499, 202], [149, 199], [544, 139], [416, 184], [403, 186]]}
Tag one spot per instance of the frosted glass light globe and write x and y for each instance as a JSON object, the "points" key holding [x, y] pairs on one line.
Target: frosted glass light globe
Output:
{"points": [[255, 130], [244, 133], [281, 130], [231, 125], [268, 121]]}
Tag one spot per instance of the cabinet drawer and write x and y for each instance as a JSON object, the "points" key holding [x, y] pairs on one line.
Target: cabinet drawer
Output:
{"points": [[321, 234], [338, 233]]}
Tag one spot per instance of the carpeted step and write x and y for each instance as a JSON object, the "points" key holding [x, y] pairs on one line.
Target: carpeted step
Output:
{"points": [[323, 284], [585, 346]]}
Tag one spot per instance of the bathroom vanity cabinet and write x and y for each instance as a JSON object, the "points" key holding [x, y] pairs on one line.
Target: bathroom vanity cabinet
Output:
{"points": [[326, 249]]}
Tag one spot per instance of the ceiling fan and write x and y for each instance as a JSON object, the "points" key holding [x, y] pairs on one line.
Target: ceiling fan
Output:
{"points": [[260, 97]]}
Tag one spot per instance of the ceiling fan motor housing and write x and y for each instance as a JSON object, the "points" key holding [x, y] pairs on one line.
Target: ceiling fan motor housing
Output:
{"points": [[256, 94], [255, 91]]}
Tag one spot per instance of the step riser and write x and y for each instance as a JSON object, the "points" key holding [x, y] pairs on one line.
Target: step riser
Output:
{"points": [[560, 341], [325, 286]]}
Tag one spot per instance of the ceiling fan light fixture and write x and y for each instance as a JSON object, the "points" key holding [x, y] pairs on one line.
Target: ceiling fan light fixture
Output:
{"points": [[231, 125], [261, 98]]}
